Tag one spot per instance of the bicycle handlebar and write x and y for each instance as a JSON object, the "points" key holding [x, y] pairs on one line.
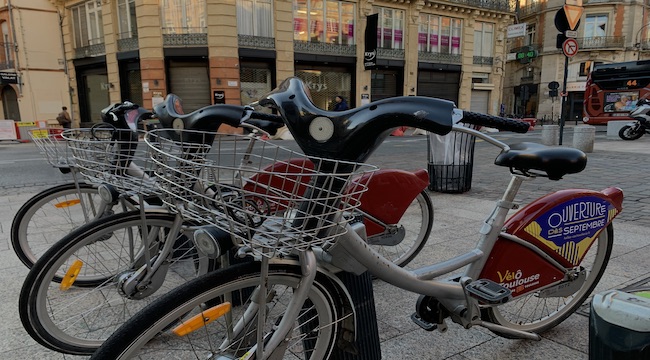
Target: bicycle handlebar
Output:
{"points": [[354, 134], [494, 122]]}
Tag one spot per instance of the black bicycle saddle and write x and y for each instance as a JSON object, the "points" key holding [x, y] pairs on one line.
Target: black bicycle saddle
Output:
{"points": [[555, 161]]}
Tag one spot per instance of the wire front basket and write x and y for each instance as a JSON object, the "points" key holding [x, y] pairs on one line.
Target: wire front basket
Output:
{"points": [[51, 145], [112, 156], [269, 198]]}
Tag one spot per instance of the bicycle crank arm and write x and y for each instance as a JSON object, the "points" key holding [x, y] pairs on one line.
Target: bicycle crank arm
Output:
{"points": [[506, 330]]}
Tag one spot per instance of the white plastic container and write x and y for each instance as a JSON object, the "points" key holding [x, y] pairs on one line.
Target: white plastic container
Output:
{"points": [[619, 326]]}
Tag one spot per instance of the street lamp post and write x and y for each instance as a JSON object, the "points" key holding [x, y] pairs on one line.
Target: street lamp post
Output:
{"points": [[637, 42]]}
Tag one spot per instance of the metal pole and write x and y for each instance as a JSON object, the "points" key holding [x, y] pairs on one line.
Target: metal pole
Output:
{"points": [[564, 98]]}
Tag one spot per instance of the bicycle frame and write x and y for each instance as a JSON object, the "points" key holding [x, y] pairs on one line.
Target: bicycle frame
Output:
{"points": [[554, 264]]}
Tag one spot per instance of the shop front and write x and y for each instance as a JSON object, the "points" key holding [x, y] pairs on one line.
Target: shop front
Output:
{"points": [[443, 82], [93, 87], [327, 82], [386, 83]]}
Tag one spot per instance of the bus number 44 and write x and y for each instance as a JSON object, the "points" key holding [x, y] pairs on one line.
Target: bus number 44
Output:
{"points": [[631, 83]]}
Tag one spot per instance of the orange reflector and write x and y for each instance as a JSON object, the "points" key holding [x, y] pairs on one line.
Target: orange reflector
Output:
{"points": [[67, 203], [199, 320], [71, 275]]}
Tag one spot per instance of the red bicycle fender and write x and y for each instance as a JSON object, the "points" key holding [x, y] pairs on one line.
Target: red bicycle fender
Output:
{"points": [[390, 192], [563, 225]]}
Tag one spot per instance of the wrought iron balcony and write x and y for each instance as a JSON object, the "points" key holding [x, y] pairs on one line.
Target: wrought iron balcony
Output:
{"points": [[256, 42], [310, 47], [394, 54], [7, 64], [601, 42], [127, 41], [644, 45], [530, 9], [439, 57], [95, 47], [185, 36], [483, 60], [7, 57], [497, 5]]}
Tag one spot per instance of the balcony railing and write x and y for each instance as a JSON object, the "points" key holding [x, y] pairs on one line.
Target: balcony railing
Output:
{"points": [[530, 9], [127, 41], [324, 48], [483, 60], [7, 59], [185, 36], [601, 42], [95, 47], [7, 64], [394, 54], [439, 57], [497, 5], [256, 42]]}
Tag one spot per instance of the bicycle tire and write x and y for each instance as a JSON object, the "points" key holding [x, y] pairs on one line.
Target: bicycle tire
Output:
{"points": [[418, 215], [148, 331], [77, 320], [538, 313], [48, 216]]}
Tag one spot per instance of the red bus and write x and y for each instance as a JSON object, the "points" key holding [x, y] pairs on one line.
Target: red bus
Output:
{"points": [[612, 90]]}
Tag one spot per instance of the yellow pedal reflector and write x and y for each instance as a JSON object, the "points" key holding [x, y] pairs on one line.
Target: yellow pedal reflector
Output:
{"points": [[67, 203], [199, 320], [71, 275]]}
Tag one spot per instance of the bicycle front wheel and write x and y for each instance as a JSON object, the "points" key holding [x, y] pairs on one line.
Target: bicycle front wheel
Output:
{"points": [[104, 254], [411, 233], [50, 215], [537, 312], [232, 332]]}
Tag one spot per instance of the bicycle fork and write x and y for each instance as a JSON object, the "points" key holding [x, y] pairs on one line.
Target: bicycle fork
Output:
{"points": [[273, 345]]}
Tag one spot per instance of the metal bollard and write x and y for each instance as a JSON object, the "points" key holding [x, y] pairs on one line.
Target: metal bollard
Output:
{"points": [[551, 134], [584, 137]]}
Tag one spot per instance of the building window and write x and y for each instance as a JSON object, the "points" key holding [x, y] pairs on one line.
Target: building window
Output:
{"points": [[255, 18], [439, 34], [530, 35], [324, 21], [483, 39], [87, 24], [126, 19], [390, 28], [595, 26], [183, 16]]}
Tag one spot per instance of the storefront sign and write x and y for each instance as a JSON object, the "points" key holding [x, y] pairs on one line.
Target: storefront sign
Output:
{"points": [[516, 30], [365, 99], [370, 52], [219, 97], [8, 78]]}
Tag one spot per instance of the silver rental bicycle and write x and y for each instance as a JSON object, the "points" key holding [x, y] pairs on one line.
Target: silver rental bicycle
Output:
{"points": [[527, 273]]}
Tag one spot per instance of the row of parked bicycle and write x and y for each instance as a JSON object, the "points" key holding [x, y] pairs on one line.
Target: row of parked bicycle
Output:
{"points": [[184, 241]]}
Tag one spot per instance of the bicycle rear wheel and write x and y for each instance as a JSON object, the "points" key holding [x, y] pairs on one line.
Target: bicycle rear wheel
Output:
{"points": [[107, 252], [536, 312], [412, 232], [149, 334], [50, 215]]}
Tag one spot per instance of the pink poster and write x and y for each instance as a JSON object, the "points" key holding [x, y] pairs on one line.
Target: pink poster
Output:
{"points": [[433, 40], [422, 38], [444, 40], [398, 36], [455, 42]]}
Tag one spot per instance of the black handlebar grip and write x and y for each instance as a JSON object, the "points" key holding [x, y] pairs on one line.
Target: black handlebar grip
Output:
{"points": [[267, 117], [495, 122]]}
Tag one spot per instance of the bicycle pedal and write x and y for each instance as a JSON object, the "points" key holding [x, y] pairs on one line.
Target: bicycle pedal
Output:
{"points": [[489, 291], [423, 323]]}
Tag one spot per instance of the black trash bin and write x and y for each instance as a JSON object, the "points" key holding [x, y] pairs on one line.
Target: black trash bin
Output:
{"points": [[450, 162]]}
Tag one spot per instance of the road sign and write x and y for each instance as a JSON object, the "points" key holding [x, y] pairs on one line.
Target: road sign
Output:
{"points": [[571, 33], [570, 47], [573, 14]]}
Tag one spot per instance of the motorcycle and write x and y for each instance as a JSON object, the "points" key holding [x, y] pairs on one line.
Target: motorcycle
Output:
{"points": [[641, 115]]}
